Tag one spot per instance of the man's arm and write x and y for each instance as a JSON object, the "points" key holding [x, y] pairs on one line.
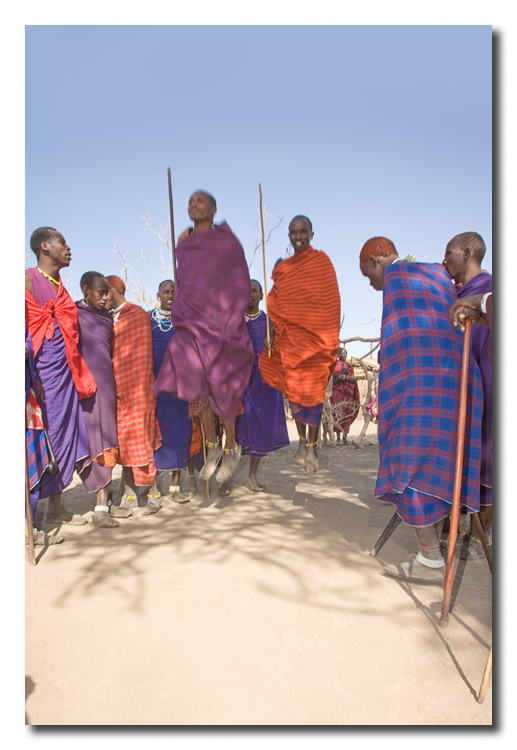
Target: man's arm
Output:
{"points": [[468, 307]]}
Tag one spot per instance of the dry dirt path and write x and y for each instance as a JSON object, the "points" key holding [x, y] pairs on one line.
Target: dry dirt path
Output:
{"points": [[256, 609]]}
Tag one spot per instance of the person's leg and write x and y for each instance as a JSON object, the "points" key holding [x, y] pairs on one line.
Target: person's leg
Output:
{"points": [[192, 484], [129, 498], [231, 454], [214, 450], [101, 516], [299, 456], [252, 483], [428, 565], [55, 513], [311, 456]]}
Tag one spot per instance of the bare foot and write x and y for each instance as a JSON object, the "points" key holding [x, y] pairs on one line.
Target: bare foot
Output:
{"points": [[103, 520], [299, 456], [311, 461]]}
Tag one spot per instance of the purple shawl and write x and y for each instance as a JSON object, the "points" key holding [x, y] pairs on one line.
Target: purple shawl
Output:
{"points": [[480, 339], [210, 358], [100, 410]]}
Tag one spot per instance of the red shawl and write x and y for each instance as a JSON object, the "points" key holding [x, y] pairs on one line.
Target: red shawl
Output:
{"points": [[40, 322]]}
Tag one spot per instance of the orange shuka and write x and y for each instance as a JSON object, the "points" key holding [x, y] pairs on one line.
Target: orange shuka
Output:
{"points": [[305, 307]]}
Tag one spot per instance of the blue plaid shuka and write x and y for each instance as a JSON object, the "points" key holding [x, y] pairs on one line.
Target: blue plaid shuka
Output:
{"points": [[419, 392]]}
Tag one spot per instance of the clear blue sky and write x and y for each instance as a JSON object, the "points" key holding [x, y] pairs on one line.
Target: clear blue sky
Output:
{"points": [[368, 130]]}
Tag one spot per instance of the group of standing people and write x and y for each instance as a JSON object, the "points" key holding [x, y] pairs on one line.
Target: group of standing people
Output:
{"points": [[158, 392]]}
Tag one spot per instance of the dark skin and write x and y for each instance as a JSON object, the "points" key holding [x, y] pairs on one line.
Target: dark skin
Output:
{"points": [[300, 235], [201, 211], [341, 355], [165, 295], [470, 307], [96, 296], [460, 264], [54, 254]]}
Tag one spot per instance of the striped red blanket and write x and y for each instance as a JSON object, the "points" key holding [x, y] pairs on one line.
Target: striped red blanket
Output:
{"points": [[305, 307], [138, 431]]}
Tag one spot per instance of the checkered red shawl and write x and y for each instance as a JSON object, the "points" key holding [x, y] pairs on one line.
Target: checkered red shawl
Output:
{"points": [[138, 431], [419, 391], [210, 357]]}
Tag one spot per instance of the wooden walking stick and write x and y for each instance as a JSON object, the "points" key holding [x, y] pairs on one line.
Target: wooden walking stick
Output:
{"points": [[204, 458], [486, 676], [173, 239], [456, 493], [28, 514], [264, 261]]}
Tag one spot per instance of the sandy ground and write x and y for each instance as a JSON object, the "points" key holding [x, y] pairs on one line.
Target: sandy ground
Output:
{"points": [[253, 609]]}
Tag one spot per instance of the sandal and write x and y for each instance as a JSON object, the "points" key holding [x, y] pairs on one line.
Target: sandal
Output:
{"points": [[178, 496], [226, 471], [211, 461], [123, 510], [154, 503]]}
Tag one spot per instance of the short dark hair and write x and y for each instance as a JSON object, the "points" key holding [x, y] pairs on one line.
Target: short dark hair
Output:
{"points": [[207, 195], [301, 216], [165, 281], [473, 241], [41, 234], [257, 282], [89, 277]]}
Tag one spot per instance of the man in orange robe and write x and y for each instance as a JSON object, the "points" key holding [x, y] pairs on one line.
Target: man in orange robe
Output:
{"points": [[305, 307]]}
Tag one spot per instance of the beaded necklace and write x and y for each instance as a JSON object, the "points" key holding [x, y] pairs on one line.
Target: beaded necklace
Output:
{"points": [[48, 277], [163, 319], [253, 316]]}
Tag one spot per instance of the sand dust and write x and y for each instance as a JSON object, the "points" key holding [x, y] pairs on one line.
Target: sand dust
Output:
{"points": [[256, 609]]}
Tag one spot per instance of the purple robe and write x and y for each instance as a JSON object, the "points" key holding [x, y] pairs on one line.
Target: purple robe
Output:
{"points": [[61, 412], [480, 340], [262, 428], [37, 455], [171, 412], [100, 410], [210, 357]]}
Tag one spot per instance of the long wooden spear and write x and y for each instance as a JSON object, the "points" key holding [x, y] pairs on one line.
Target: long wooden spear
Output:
{"points": [[264, 260], [173, 239]]}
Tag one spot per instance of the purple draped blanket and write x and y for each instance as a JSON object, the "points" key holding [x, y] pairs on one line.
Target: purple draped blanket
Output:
{"points": [[100, 410], [210, 358]]}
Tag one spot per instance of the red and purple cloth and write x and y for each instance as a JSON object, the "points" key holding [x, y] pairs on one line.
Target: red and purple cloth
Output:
{"points": [[419, 392], [62, 414], [345, 395], [99, 410], [262, 428], [480, 344], [210, 358], [37, 454]]}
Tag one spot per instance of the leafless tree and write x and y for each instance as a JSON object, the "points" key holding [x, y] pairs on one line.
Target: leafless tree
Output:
{"points": [[271, 222]]}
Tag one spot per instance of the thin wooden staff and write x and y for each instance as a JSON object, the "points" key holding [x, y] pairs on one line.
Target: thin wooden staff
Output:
{"points": [[264, 260], [458, 471], [173, 239], [28, 514], [204, 457], [486, 675]]}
